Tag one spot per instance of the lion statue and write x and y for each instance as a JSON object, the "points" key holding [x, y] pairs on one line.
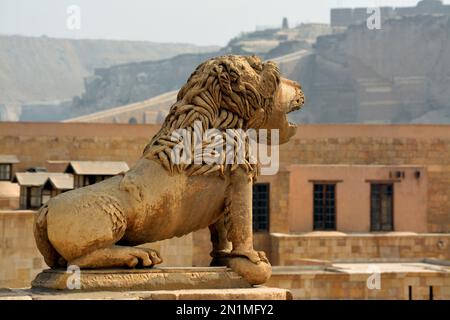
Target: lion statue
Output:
{"points": [[99, 226]]}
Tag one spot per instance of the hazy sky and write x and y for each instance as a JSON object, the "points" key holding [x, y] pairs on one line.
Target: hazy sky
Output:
{"points": [[206, 22]]}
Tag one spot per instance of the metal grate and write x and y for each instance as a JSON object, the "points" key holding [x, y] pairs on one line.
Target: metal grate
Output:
{"points": [[261, 207], [381, 207], [324, 207]]}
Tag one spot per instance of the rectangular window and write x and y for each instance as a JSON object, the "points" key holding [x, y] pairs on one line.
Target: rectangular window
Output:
{"points": [[5, 171], [381, 207], [261, 207], [35, 197], [324, 206]]}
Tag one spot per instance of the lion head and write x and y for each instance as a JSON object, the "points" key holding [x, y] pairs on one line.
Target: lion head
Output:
{"points": [[228, 92]]}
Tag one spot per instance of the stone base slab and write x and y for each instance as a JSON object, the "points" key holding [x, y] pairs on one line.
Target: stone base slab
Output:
{"points": [[256, 293], [150, 279]]}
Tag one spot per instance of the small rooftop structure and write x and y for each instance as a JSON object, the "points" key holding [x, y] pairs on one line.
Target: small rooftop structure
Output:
{"points": [[37, 169], [109, 168], [90, 172], [59, 180], [36, 188]]}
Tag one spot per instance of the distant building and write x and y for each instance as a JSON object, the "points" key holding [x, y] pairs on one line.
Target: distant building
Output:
{"points": [[36, 188], [285, 24], [89, 172], [344, 17]]}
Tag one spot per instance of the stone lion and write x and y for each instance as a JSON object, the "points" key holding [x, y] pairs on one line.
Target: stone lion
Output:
{"points": [[98, 226]]}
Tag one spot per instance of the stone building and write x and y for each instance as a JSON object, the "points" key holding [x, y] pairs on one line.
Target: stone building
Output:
{"points": [[343, 193], [89, 172], [344, 17], [36, 188]]}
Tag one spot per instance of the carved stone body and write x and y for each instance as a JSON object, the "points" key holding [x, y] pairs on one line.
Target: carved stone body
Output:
{"points": [[99, 225]]}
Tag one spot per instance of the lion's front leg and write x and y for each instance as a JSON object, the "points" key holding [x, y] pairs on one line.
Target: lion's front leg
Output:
{"points": [[247, 262]]}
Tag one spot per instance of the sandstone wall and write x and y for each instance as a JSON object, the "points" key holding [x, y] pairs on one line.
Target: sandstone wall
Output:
{"points": [[425, 145], [36, 143], [20, 260], [428, 146], [289, 250], [337, 286]]}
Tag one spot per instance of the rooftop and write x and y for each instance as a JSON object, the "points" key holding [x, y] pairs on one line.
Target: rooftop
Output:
{"points": [[58, 180], [8, 158], [96, 167]]}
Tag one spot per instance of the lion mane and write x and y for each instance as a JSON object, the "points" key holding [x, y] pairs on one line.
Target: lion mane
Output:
{"points": [[227, 92]]}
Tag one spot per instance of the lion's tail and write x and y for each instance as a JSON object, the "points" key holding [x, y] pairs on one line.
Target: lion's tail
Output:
{"points": [[52, 258]]}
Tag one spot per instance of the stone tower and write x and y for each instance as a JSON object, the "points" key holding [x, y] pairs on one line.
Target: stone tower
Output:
{"points": [[285, 24]]}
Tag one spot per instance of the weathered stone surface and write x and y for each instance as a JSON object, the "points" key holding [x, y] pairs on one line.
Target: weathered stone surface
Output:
{"points": [[99, 226], [143, 279]]}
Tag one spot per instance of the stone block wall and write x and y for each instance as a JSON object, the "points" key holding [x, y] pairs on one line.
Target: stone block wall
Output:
{"points": [[290, 250], [20, 260], [37, 143], [425, 145], [394, 286]]}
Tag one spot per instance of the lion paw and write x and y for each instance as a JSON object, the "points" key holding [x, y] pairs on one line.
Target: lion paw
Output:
{"points": [[153, 257], [253, 256], [254, 273]]}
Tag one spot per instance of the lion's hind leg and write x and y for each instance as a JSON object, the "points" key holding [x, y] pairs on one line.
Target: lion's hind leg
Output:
{"points": [[118, 256]]}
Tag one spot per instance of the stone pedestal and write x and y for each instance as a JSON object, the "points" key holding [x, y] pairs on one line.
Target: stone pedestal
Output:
{"points": [[150, 279], [212, 283], [256, 293]]}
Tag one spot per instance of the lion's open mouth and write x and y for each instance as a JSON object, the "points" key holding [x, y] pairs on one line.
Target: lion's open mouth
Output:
{"points": [[292, 110]]}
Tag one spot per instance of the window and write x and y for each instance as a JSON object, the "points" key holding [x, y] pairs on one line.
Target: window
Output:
{"points": [[261, 207], [87, 180], [381, 207], [35, 198], [5, 171], [324, 206]]}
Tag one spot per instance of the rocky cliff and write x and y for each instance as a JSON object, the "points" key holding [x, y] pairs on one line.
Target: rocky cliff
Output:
{"points": [[124, 84]]}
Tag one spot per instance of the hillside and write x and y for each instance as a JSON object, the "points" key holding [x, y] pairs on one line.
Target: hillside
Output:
{"points": [[45, 69], [133, 82]]}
